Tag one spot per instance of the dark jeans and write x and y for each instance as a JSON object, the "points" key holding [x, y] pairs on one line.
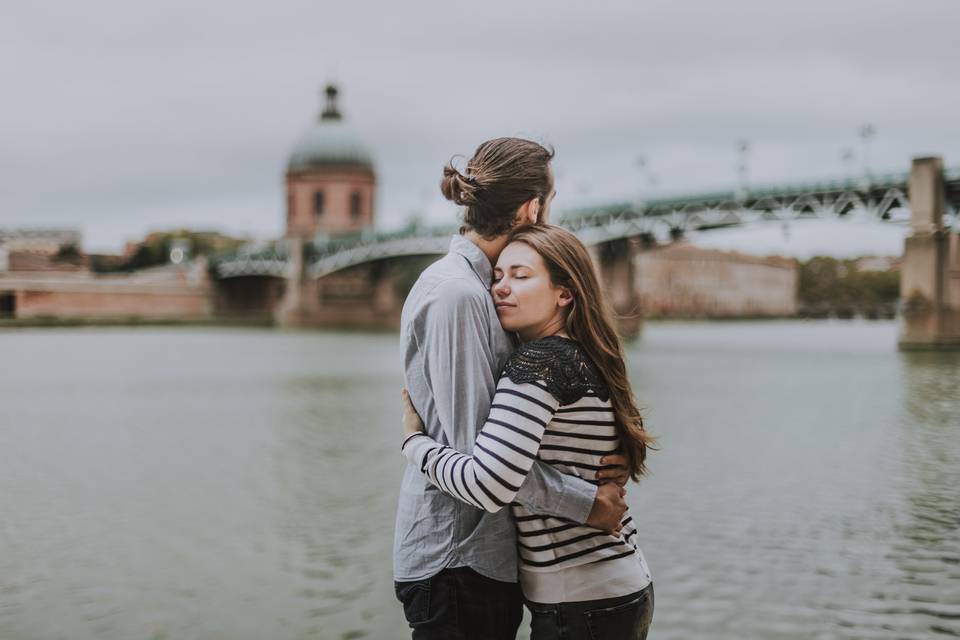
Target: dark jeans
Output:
{"points": [[461, 604], [623, 618]]}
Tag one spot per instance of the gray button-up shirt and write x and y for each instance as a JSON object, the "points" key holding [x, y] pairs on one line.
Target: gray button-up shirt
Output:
{"points": [[454, 350]]}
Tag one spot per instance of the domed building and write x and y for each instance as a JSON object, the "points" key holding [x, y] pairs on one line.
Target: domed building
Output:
{"points": [[330, 178]]}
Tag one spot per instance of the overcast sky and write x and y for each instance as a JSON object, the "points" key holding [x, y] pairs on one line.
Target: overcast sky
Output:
{"points": [[123, 117]]}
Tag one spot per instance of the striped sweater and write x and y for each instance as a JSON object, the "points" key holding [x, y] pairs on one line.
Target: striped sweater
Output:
{"points": [[550, 405]]}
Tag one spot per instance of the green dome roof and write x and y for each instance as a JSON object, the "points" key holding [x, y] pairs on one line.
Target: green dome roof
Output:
{"points": [[330, 142]]}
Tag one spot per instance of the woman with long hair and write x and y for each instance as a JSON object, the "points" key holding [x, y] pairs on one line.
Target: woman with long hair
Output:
{"points": [[564, 399]]}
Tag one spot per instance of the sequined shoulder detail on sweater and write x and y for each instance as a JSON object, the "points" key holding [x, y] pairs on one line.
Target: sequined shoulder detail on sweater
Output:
{"points": [[561, 364]]}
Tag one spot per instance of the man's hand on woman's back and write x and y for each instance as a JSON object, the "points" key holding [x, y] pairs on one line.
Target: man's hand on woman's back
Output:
{"points": [[615, 469], [608, 508]]}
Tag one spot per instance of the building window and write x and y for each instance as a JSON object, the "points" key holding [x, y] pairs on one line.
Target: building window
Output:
{"points": [[355, 204], [318, 203]]}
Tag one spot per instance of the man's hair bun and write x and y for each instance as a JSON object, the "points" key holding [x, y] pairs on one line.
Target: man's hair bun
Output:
{"points": [[503, 174], [458, 188]]}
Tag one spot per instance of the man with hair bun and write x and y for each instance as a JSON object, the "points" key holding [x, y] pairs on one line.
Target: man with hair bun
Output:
{"points": [[455, 566]]}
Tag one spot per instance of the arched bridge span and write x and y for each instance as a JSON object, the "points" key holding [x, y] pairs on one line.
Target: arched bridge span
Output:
{"points": [[883, 198]]}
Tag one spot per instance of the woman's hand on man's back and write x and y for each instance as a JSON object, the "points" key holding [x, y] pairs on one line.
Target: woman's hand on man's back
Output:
{"points": [[411, 420]]}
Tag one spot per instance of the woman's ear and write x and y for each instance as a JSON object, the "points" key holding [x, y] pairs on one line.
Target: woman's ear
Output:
{"points": [[566, 297]]}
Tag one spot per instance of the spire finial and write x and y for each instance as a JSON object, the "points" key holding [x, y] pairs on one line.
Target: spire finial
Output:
{"points": [[330, 111]]}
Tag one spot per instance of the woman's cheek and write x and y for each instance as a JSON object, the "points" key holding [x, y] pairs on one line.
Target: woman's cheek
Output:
{"points": [[508, 322]]}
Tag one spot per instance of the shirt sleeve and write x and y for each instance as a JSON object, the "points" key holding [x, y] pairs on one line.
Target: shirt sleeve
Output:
{"points": [[503, 454], [456, 357], [551, 492], [452, 336]]}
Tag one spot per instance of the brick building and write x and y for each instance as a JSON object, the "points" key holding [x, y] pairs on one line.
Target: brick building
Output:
{"points": [[681, 280], [330, 180]]}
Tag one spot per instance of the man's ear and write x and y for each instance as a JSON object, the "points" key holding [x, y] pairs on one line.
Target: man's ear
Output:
{"points": [[529, 212]]}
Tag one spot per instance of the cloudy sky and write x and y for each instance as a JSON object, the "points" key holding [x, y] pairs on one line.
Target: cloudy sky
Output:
{"points": [[123, 117]]}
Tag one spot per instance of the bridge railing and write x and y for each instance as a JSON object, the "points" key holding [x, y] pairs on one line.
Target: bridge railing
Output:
{"points": [[266, 259], [322, 247], [883, 196]]}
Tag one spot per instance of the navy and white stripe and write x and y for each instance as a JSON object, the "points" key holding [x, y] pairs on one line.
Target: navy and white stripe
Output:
{"points": [[526, 422], [503, 452]]}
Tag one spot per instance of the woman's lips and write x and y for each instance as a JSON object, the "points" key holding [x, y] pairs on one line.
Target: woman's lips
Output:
{"points": [[504, 305]]}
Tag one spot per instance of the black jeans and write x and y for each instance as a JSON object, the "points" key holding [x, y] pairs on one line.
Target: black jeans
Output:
{"points": [[623, 618], [461, 604]]}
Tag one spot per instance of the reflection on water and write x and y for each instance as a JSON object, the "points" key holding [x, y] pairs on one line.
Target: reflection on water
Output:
{"points": [[926, 553], [195, 483]]}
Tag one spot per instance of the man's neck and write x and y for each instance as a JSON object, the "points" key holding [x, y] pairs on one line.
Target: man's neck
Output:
{"points": [[491, 248]]}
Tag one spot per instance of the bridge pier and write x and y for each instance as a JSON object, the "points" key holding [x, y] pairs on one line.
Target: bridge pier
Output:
{"points": [[299, 303], [363, 296], [616, 263], [930, 277]]}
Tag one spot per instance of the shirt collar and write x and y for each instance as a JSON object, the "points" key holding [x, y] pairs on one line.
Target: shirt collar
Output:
{"points": [[475, 256]]}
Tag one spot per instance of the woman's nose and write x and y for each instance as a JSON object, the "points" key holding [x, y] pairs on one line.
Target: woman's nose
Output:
{"points": [[501, 289]]}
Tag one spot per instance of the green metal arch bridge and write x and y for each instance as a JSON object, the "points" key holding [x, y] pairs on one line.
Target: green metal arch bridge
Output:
{"points": [[883, 198]]}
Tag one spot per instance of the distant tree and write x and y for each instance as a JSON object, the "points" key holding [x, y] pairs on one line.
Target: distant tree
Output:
{"points": [[68, 253], [154, 250], [148, 254], [831, 285]]}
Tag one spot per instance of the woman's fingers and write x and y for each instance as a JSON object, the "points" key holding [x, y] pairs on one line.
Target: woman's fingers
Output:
{"points": [[407, 403], [411, 419]]}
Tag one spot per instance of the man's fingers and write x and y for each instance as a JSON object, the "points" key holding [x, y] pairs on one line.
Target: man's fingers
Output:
{"points": [[613, 473], [616, 469], [608, 508]]}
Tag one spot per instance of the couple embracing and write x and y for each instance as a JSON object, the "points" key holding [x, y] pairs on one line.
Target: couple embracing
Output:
{"points": [[513, 491]]}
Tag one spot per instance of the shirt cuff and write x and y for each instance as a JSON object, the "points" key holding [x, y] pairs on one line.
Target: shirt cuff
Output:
{"points": [[409, 438], [577, 500]]}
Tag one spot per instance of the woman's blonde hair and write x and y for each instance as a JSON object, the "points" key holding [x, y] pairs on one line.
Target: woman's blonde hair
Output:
{"points": [[590, 321]]}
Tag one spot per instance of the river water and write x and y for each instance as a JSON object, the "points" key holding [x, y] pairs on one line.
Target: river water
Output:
{"points": [[234, 483]]}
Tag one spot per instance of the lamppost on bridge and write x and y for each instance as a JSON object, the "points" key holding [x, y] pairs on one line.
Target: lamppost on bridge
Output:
{"points": [[866, 133], [847, 157], [651, 181], [743, 150]]}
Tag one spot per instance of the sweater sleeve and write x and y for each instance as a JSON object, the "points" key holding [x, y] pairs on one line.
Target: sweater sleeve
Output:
{"points": [[503, 453]]}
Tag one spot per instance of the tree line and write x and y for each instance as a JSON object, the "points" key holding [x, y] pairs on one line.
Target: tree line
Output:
{"points": [[841, 288], [154, 250]]}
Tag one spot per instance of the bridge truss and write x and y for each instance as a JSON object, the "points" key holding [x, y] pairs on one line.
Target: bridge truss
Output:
{"points": [[882, 198]]}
